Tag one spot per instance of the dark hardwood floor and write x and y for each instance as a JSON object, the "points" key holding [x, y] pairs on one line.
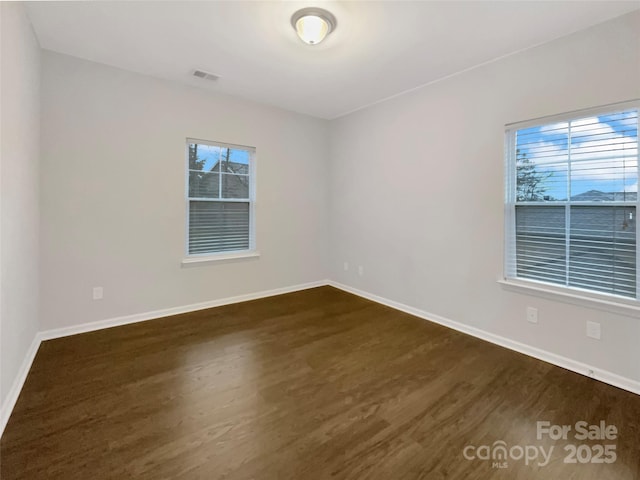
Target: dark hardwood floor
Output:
{"points": [[317, 384]]}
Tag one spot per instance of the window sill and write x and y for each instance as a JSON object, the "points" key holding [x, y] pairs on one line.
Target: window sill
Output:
{"points": [[197, 261], [620, 306]]}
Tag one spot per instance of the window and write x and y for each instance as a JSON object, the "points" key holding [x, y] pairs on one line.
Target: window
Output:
{"points": [[220, 199], [572, 201]]}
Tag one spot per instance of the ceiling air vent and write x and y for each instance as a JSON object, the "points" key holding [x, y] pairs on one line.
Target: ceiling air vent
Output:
{"points": [[205, 75]]}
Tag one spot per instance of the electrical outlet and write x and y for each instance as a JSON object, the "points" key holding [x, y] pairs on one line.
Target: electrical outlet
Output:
{"points": [[345, 266], [593, 330], [98, 293], [532, 315], [360, 270]]}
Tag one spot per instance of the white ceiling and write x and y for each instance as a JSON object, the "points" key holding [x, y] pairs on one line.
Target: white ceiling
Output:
{"points": [[378, 50]]}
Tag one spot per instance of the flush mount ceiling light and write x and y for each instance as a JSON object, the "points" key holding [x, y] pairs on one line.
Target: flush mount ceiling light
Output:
{"points": [[313, 24]]}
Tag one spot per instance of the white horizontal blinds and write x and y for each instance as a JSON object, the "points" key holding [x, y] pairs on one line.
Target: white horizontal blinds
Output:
{"points": [[603, 249], [219, 197], [218, 226], [604, 186], [576, 200], [540, 225], [541, 243]]}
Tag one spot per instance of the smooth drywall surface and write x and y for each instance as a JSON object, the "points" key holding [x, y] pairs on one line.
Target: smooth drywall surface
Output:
{"points": [[19, 217], [113, 193], [417, 191]]}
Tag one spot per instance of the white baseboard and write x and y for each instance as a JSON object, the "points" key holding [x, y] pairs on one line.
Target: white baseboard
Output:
{"points": [[143, 317], [18, 382], [16, 387], [558, 360]]}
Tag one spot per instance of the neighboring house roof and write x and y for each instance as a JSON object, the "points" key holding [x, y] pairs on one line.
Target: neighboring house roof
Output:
{"points": [[235, 185], [230, 167], [598, 196], [235, 181]]}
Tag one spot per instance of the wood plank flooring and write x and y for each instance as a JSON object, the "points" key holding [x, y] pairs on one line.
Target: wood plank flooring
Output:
{"points": [[317, 384]]}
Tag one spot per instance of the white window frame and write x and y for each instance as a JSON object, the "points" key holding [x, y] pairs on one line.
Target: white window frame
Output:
{"points": [[194, 259], [570, 294]]}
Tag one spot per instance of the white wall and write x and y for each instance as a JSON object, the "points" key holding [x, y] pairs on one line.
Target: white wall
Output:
{"points": [[20, 134], [113, 209], [417, 191]]}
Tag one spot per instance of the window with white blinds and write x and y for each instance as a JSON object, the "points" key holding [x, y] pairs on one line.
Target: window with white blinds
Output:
{"points": [[572, 201], [220, 186]]}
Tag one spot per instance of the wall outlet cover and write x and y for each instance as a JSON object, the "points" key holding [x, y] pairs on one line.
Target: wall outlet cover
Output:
{"points": [[593, 330], [98, 293]]}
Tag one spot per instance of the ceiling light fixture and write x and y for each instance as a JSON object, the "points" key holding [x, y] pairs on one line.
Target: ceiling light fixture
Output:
{"points": [[313, 24]]}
